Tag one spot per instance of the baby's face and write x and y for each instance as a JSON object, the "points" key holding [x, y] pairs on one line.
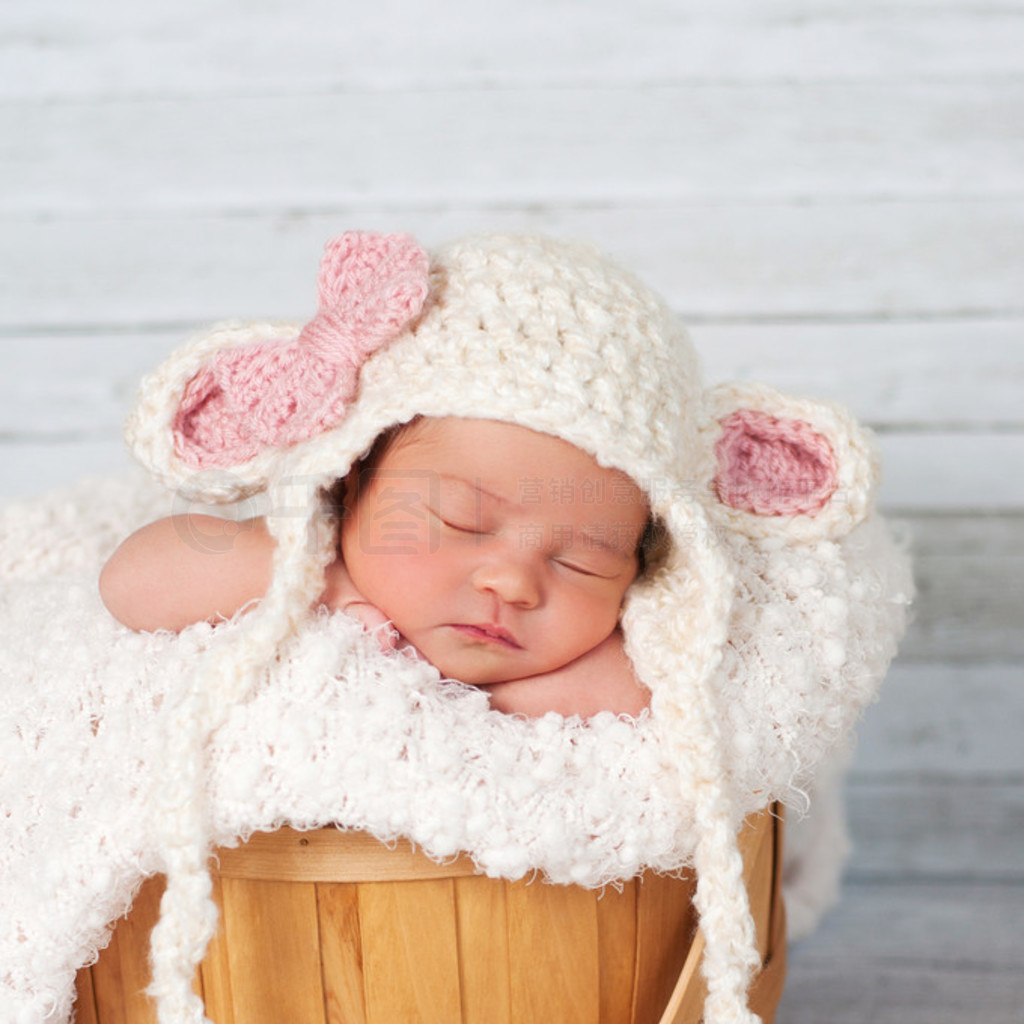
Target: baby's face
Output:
{"points": [[499, 552]]}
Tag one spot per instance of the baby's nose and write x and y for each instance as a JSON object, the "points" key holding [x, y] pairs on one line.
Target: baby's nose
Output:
{"points": [[512, 580]]}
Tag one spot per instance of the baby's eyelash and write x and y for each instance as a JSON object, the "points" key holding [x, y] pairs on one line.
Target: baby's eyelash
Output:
{"points": [[579, 569], [460, 528], [453, 525]]}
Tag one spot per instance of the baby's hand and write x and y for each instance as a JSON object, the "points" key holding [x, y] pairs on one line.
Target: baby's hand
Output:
{"points": [[600, 680], [340, 594]]}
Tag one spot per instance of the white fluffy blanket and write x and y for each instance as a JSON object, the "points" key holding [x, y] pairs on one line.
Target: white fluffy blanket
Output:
{"points": [[340, 733]]}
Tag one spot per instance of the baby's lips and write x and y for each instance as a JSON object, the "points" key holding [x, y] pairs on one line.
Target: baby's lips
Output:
{"points": [[490, 630]]}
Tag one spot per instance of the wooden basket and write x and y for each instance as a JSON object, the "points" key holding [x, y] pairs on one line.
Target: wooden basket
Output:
{"points": [[329, 927]]}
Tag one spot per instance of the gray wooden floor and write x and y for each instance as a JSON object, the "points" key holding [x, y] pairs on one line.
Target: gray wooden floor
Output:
{"points": [[931, 925], [829, 191]]}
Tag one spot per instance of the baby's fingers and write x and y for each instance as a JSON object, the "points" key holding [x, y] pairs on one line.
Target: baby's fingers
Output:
{"points": [[376, 622]]}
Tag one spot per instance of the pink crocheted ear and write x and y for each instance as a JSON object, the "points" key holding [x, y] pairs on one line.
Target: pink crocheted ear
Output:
{"points": [[272, 395], [772, 466]]}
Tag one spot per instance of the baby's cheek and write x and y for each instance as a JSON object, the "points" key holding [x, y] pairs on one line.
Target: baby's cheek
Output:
{"points": [[363, 570], [402, 586]]}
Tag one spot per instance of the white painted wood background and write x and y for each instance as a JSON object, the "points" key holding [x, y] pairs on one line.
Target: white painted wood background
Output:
{"points": [[830, 191]]}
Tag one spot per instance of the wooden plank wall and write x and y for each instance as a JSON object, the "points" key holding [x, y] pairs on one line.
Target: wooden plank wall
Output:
{"points": [[830, 191]]}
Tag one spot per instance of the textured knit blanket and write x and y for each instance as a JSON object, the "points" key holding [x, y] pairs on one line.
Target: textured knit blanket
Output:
{"points": [[338, 732]]}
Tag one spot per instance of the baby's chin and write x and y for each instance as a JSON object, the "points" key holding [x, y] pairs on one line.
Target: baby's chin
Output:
{"points": [[478, 677], [479, 663], [483, 672]]}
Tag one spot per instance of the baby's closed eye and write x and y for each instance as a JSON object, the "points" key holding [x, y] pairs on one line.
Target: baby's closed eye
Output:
{"points": [[602, 572], [459, 520]]}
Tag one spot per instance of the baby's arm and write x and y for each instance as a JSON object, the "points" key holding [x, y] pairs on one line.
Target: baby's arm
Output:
{"points": [[600, 680], [186, 569], [196, 568]]}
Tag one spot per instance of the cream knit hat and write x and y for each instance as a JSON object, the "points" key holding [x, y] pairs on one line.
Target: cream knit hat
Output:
{"points": [[552, 336]]}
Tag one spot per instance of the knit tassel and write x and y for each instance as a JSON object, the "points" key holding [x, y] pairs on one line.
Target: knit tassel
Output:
{"points": [[188, 915], [730, 952], [692, 616]]}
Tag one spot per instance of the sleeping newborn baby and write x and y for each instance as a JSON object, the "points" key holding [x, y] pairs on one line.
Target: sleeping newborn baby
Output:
{"points": [[498, 553]]}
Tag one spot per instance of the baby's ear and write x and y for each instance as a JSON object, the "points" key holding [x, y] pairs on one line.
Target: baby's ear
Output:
{"points": [[783, 466]]}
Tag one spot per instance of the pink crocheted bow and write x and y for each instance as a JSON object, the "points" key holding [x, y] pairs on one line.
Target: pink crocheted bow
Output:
{"points": [[275, 394]]}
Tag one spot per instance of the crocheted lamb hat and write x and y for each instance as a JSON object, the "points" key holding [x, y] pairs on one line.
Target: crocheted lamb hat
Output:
{"points": [[552, 336]]}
